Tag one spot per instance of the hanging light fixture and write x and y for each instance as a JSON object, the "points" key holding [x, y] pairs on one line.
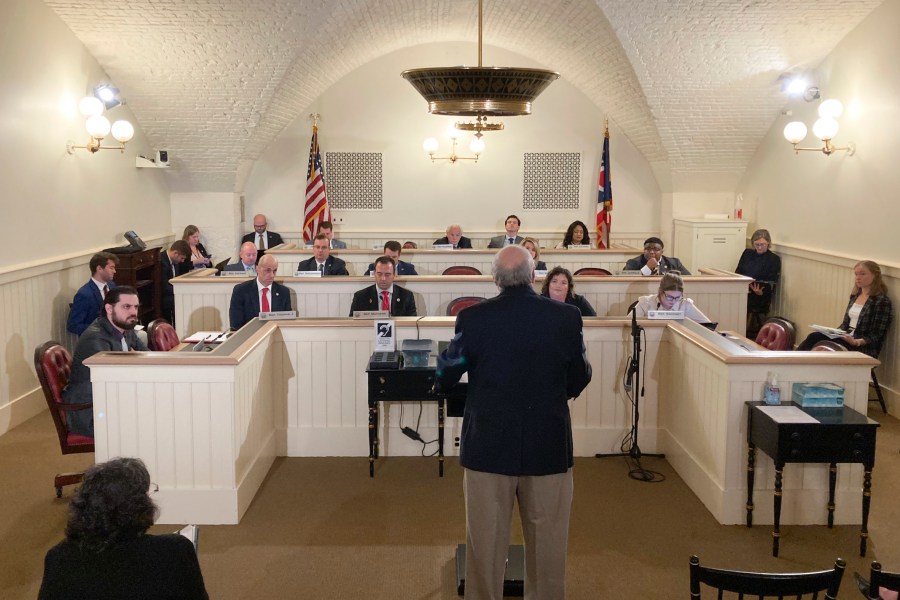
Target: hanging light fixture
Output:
{"points": [[98, 126], [825, 128], [476, 147], [479, 92]]}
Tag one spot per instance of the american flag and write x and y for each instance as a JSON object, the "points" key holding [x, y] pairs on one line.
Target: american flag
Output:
{"points": [[604, 196], [316, 209]]}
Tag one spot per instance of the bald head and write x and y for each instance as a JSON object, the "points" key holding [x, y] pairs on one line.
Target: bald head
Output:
{"points": [[248, 253], [266, 269], [513, 266]]}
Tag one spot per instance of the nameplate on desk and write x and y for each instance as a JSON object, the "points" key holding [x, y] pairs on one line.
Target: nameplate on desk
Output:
{"points": [[579, 246], [307, 273], [665, 314], [235, 274], [442, 246], [629, 273], [540, 272], [278, 315], [371, 314]]}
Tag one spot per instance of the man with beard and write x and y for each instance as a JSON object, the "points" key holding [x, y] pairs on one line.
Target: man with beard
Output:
{"points": [[112, 331]]}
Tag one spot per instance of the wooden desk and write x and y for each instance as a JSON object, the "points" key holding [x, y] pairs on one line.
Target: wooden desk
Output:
{"points": [[839, 435]]}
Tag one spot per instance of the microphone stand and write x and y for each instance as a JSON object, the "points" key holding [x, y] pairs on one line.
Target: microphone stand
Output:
{"points": [[632, 382]]}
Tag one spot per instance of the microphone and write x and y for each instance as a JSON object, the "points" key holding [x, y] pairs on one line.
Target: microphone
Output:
{"points": [[635, 330]]}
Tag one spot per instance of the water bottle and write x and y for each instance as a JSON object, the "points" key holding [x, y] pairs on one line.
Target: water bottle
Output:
{"points": [[771, 391]]}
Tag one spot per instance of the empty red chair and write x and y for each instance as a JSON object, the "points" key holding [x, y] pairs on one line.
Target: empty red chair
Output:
{"points": [[461, 270], [161, 336], [772, 336], [457, 304], [595, 271]]}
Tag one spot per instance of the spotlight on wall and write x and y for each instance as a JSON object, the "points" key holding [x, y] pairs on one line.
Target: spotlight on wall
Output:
{"points": [[98, 126], [825, 128], [107, 94]]}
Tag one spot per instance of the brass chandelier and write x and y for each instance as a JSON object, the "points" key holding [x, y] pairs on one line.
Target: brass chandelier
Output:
{"points": [[479, 92]]}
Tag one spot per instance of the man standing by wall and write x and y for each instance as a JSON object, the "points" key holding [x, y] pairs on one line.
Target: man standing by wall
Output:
{"points": [[89, 298], [525, 357]]}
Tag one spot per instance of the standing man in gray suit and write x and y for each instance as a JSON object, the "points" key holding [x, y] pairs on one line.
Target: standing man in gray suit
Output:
{"points": [[512, 237]]}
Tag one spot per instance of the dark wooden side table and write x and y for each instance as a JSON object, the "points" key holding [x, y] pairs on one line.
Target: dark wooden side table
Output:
{"points": [[140, 270], [402, 385], [838, 435]]}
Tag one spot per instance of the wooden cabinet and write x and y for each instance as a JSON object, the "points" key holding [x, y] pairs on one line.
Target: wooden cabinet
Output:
{"points": [[140, 270], [707, 243]]}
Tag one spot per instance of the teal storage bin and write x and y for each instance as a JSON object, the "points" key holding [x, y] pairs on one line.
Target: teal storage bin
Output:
{"points": [[817, 394]]}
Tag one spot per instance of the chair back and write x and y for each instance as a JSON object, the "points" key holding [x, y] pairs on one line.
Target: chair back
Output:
{"points": [[457, 304], [789, 327], [828, 346], [161, 336], [53, 365], [882, 579], [595, 271], [772, 336], [767, 585], [461, 270]]}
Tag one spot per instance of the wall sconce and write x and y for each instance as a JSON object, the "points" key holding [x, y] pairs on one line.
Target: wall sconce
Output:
{"points": [[825, 128], [98, 126], [476, 146]]}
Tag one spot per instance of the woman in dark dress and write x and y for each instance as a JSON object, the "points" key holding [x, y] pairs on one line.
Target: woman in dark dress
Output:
{"points": [[764, 266], [576, 234], [199, 258], [558, 284], [107, 554]]}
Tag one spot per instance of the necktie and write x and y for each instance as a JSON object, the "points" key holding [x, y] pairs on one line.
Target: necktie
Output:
{"points": [[322, 269], [265, 300], [259, 242], [385, 303], [105, 291], [511, 241]]}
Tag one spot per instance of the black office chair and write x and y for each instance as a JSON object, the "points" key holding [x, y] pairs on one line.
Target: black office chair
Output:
{"points": [[767, 585]]}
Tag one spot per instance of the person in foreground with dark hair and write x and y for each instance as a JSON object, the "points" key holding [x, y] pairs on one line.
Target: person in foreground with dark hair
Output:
{"points": [[107, 553], [868, 316], [525, 357], [112, 331], [652, 261], [558, 284]]}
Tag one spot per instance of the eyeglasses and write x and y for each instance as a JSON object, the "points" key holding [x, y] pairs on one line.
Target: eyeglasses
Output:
{"points": [[154, 487], [653, 248], [672, 298]]}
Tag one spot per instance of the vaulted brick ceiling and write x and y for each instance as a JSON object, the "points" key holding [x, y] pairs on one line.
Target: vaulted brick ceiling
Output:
{"points": [[690, 82]]}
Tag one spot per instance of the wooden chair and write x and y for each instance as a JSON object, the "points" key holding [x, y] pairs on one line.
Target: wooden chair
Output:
{"points": [[53, 364], [161, 336], [767, 585], [789, 327], [595, 271], [461, 270], [772, 336], [457, 304], [882, 579]]}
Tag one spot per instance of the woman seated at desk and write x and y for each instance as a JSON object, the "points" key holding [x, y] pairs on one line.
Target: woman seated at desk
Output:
{"points": [[868, 315], [670, 297], [199, 258], [558, 285], [534, 249], [576, 235]]}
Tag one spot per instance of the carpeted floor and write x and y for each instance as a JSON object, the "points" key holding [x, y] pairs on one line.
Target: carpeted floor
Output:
{"points": [[320, 528]]}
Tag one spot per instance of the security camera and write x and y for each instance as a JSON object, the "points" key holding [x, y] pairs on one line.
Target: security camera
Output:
{"points": [[162, 158]]}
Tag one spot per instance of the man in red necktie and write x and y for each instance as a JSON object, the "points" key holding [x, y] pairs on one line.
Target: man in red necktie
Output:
{"points": [[384, 295], [261, 294]]}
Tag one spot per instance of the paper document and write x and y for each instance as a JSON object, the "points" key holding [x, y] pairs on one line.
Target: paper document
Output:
{"points": [[831, 332], [207, 336], [788, 414]]}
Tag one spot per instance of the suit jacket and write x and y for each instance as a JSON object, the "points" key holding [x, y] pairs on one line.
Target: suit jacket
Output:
{"points": [[499, 240], [403, 268], [464, 242], [188, 265], [238, 266], [403, 303], [158, 566], [335, 244], [872, 324], [86, 307], [245, 302], [525, 357], [101, 336], [272, 238], [666, 264], [333, 266]]}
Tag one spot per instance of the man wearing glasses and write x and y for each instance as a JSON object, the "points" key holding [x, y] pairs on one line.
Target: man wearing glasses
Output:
{"points": [[384, 295], [652, 261]]}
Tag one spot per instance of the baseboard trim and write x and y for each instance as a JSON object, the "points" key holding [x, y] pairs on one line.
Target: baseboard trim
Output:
{"points": [[21, 409]]}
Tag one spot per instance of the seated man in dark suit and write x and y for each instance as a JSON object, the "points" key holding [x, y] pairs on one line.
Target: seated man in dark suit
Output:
{"points": [[512, 237], [392, 250], [261, 294], [112, 331], [652, 261], [384, 295], [177, 253], [327, 228], [247, 264], [89, 297], [322, 261], [261, 238], [454, 236]]}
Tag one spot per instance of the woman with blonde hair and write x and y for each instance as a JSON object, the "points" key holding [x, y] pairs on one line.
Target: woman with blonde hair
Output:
{"points": [[199, 258], [670, 296], [534, 249]]}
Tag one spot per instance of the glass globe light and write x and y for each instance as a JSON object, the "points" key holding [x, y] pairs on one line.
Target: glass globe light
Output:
{"points": [[430, 145], [97, 127], [831, 109], [90, 106], [123, 131], [476, 146], [825, 128], [794, 132]]}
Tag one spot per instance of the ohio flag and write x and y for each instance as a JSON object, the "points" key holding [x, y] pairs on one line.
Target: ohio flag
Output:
{"points": [[604, 197]]}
